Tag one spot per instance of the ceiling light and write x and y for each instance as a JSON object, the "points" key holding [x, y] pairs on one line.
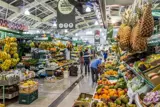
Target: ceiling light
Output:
{"points": [[38, 31], [88, 9], [96, 23], [65, 30], [26, 12]]}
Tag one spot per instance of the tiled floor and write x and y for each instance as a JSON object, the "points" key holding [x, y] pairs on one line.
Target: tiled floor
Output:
{"points": [[85, 86], [48, 92]]}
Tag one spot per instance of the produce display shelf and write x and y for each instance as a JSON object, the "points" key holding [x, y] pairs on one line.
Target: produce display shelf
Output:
{"points": [[139, 75], [53, 69], [14, 82], [10, 96]]}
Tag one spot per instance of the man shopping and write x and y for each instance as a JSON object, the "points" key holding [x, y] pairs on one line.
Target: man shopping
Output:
{"points": [[94, 69]]}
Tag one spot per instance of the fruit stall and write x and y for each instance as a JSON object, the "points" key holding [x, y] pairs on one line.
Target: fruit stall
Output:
{"points": [[18, 72]]}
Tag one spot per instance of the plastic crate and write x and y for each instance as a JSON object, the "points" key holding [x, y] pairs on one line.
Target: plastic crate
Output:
{"points": [[28, 98]]}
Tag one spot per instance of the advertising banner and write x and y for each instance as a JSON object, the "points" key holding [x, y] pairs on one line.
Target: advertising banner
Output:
{"points": [[65, 15]]}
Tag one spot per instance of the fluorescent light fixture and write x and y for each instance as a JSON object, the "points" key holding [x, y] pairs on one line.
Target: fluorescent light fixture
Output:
{"points": [[26, 12], [65, 30], [96, 23], [88, 9]]}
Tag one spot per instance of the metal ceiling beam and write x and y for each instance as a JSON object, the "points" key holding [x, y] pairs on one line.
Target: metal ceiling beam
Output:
{"points": [[29, 6], [79, 14], [16, 10], [52, 16], [8, 6]]}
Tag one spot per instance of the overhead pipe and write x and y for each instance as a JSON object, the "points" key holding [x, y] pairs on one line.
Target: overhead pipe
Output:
{"points": [[102, 5]]}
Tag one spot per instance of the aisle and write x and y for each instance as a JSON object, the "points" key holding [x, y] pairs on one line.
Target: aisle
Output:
{"points": [[85, 86], [48, 92]]}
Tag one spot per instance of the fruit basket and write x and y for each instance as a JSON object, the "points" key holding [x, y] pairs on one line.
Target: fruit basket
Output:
{"points": [[83, 100], [28, 87], [143, 100], [81, 104]]}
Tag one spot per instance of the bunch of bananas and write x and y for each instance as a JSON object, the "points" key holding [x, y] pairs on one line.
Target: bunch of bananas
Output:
{"points": [[6, 64], [13, 44], [13, 50], [7, 48], [15, 55], [10, 49], [8, 40], [14, 61], [60, 45], [3, 55]]}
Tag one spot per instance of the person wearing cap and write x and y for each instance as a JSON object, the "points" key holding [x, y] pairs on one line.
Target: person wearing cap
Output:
{"points": [[94, 69]]}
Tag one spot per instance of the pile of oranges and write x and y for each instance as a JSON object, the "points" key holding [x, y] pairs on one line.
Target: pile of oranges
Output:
{"points": [[106, 93], [111, 73]]}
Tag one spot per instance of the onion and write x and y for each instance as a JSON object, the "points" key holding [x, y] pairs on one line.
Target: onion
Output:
{"points": [[155, 100]]}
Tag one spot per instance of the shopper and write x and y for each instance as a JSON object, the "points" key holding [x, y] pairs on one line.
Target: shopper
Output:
{"points": [[105, 55], [94, 69], [81, 60], [86, 61]]}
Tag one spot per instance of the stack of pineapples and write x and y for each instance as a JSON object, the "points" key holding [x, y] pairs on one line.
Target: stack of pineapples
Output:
{"points": [[137, 26]]}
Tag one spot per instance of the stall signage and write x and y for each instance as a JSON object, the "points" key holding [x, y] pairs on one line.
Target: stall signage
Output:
{"points": [[65, 15], [12, 25], [97, 37]]}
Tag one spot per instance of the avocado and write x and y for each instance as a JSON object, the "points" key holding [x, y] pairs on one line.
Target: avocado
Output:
{"points": [[113, 98], [118, 102], [125, 100], [100, 86], [116, 86], [112, 87]]}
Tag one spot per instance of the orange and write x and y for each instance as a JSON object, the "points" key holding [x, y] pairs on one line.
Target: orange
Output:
{"points": [[96, 96], [106, 87]]}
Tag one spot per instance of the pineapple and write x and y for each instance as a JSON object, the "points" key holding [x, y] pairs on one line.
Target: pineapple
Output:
{"points": [[138, 43], [125, 38], [147, 22]]}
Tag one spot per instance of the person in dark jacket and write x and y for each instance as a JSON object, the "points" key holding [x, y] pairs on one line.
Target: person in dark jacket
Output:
{"points": [[86, 61]]}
